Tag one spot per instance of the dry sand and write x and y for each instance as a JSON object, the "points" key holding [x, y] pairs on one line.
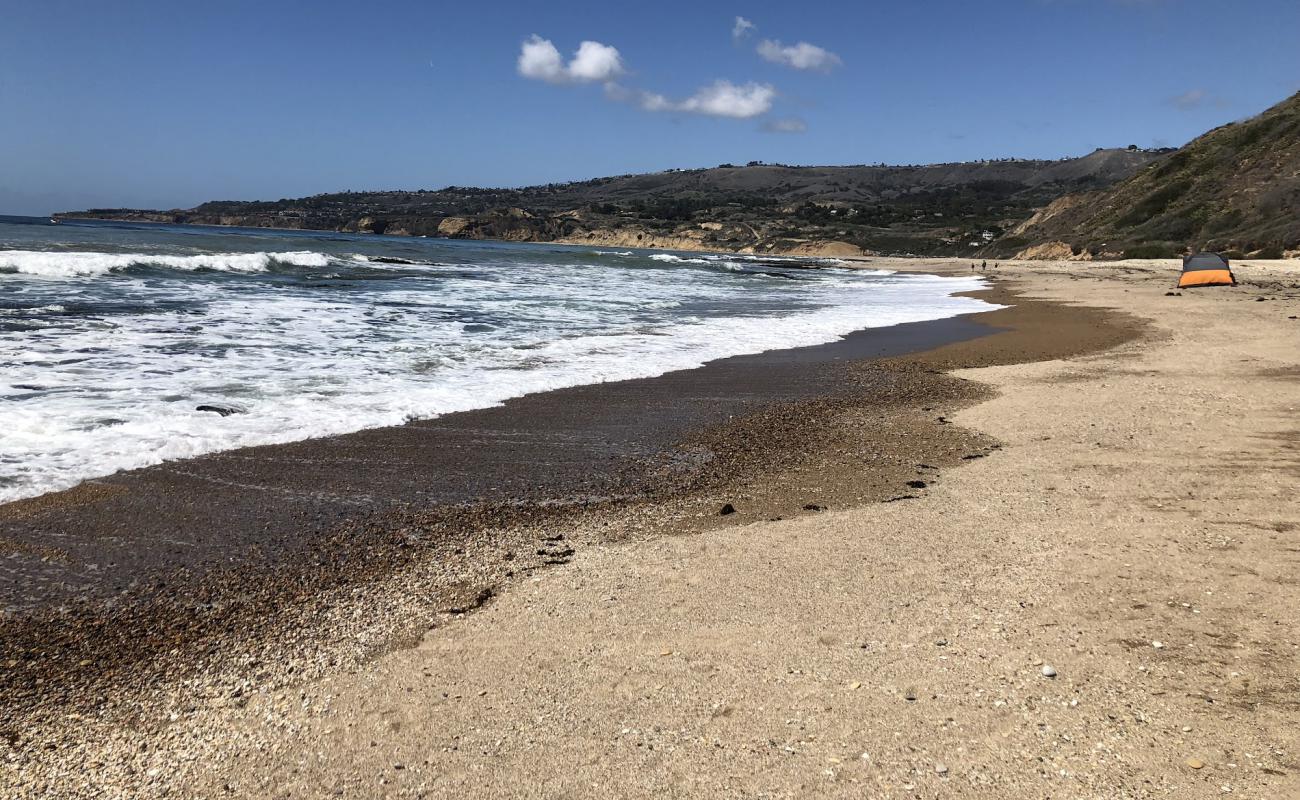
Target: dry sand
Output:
{"points": [[1137, 534]]}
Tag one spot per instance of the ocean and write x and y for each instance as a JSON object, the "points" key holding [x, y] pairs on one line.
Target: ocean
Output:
{"points": [[126, 345]]}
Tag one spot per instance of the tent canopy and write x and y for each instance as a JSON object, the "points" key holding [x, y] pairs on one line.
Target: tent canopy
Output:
{"points": [[1206, 269], [1204, 261]]}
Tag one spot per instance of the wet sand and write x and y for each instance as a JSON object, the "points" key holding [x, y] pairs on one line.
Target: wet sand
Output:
{"points": [[268, 505]]}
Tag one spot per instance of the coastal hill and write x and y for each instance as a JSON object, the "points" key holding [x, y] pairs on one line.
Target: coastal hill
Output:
{"points": [[1235, 189], [941, 209]]}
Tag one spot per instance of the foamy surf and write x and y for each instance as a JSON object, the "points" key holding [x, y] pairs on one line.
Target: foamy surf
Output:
{"points": [[669, 258], [102, 375], [62, 264]]}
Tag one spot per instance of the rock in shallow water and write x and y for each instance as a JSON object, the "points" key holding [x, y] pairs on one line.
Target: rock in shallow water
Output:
{"points": [[224, 409]]}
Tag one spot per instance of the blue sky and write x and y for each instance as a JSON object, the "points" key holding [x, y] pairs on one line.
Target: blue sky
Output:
{"points": [[167, 104]]}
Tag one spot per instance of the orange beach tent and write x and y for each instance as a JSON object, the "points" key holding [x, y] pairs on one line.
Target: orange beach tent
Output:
{"points": [[1206, 269]]}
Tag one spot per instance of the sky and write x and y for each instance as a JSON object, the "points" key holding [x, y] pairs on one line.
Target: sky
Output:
{"points": [[169, 104]]}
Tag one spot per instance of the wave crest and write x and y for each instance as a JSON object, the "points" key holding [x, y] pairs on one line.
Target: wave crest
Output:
{"points": [[46, 264], [669, 258]]}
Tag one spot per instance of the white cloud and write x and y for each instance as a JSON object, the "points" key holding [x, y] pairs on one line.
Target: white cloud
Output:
{"points": [[799, 56], [593, 61], [726, 99], [539, 60], [742, 28], [718, 99], [651, 101], [784, 125]]}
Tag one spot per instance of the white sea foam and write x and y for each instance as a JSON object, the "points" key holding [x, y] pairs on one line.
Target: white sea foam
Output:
{"points": [[63, 264], [15, 312], [86, 395], [672, 259]]}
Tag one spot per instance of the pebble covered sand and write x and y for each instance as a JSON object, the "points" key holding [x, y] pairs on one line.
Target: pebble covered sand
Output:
{"points": [[1052, 562]]}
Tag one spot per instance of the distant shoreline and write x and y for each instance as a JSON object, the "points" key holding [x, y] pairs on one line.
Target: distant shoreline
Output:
{"points": [[600, 238]]}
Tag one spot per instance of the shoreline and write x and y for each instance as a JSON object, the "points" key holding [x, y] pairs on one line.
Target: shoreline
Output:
{"points": [[809, 378], [465, 499], [590, 437], [883, 425]]}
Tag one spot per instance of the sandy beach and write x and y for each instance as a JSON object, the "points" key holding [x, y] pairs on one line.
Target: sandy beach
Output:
{"points": [[1058, 560]]}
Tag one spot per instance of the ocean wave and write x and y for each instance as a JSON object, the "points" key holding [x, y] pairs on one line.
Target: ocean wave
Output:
{"points": [[114, 381], [65, 264], [612, 252], [320, 371], [14, 312], [669, 258]]}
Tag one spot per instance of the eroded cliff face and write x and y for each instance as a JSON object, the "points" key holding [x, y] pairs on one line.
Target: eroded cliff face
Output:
{"points": [[712, 237], [700, 236]]}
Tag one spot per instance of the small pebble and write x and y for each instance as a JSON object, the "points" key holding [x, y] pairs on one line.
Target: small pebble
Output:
{"points": [[941, 768], [1158, 645], [1049, 671], [1195, 763]]}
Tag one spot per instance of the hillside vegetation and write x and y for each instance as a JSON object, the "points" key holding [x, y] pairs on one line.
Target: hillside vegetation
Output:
{"points": [[942, 209], [1235, 189]]}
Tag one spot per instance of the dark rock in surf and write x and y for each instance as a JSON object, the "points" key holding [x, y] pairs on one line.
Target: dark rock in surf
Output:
{"points": [[224, 409]]}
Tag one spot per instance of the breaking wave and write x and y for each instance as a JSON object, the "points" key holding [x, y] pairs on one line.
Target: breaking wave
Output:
{"points": [[669, 258], [47, 264], [102, 374]]}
